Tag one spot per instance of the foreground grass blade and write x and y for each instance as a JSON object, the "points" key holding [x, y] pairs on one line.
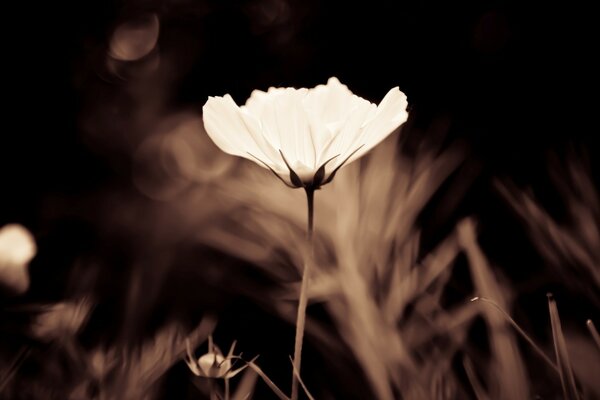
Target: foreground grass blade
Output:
{"points": [[521, 332], [567, 378], [310, 396], [268, 381], [245, 387]]}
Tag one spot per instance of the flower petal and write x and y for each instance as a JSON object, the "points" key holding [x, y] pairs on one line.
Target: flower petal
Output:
{"points": [[330, 103], [328, 107], [258, 106], [390, 114], [255, 130], [348, 135], [234, 131], [258, 99], [284, 123]]}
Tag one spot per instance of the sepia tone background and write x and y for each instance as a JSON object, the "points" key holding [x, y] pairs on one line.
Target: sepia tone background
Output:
{"points": [[124, 213]]}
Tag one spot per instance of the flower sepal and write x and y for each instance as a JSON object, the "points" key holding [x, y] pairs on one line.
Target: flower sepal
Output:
{"points": [[319, 178]]}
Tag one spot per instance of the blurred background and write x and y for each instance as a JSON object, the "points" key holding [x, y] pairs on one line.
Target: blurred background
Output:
{"points": [[144, 228]]}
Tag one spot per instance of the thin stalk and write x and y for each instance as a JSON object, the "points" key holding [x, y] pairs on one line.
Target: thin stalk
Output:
{"points": [[268, 381], [301, 317], [521, 332], [310, 396], [227, 389]]}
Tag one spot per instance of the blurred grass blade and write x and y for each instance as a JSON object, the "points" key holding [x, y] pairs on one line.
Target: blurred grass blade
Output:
{"points": [[246, 386], [562, 356], [472, 376], [268, 381], [593, 332], [507, 375]]}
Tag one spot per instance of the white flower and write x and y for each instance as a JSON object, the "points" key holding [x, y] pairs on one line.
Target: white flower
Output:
{"points": [[17, 248], [303, 135]]}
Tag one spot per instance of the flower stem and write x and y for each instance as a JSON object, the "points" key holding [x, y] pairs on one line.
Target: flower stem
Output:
{"points": [[213, 389], [301, 317]]}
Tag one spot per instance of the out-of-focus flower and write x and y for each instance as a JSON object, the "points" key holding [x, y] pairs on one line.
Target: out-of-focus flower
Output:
{"points": [[17, 248], [303, 135], [61, 320], [213, 364]]}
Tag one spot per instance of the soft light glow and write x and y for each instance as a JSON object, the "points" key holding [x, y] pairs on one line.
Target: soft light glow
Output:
{"points": [[17, 248]]}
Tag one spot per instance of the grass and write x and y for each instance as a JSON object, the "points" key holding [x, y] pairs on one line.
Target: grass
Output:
{"points": [[389, 313]]}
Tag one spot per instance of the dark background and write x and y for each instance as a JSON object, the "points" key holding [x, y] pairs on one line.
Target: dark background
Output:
{"points": [[514, 82]]}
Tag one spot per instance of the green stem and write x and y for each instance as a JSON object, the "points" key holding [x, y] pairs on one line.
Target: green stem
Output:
{"points": [[301, 317]]}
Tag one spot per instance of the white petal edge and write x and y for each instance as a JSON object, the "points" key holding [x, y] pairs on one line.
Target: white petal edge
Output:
{"points": [[235, 132], [347, 137], [390, 114]]}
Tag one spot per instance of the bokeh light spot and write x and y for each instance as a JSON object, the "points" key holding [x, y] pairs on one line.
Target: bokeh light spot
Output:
{"points": [[135, 38]]}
